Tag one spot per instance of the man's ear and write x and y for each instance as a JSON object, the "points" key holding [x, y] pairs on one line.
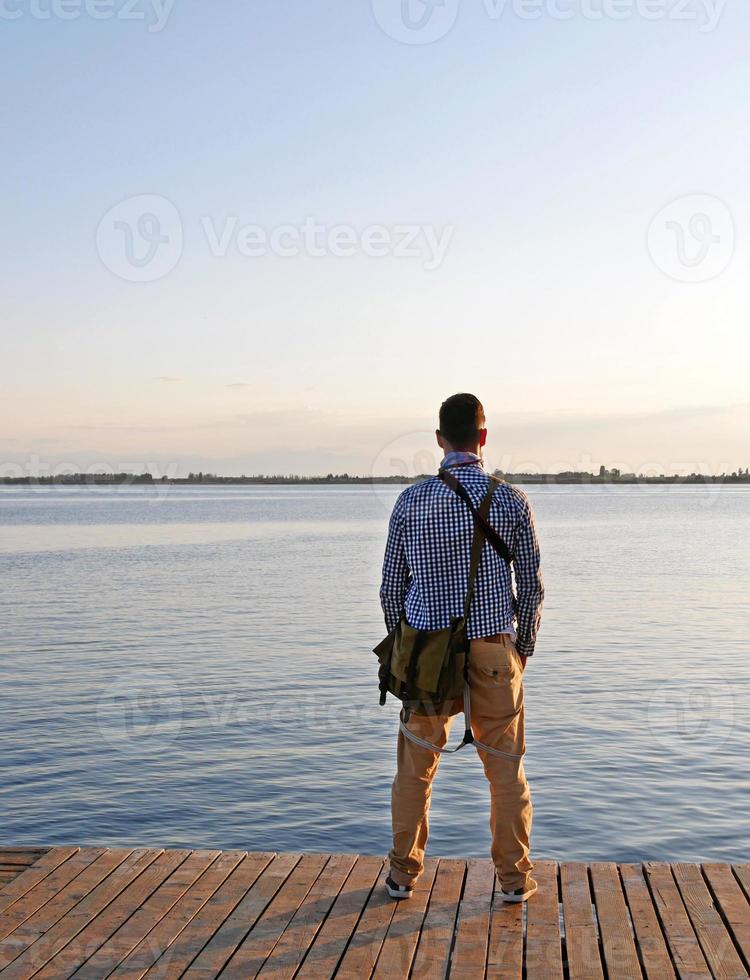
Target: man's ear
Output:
{"points": [[482, 437], [440, 440]]}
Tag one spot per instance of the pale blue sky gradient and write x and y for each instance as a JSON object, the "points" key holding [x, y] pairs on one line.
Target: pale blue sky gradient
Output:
{"points": [[547, 146]]}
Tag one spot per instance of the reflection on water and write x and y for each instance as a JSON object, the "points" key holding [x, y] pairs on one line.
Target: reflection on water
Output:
{"points": [[70, 537], [193, 666]]}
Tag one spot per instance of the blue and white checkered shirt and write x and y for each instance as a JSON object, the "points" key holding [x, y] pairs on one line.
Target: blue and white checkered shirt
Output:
{"points": [[427, 556]]}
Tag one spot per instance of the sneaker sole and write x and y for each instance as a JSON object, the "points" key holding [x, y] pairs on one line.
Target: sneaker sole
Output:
{"points": [[517, 898], [398, 895]]}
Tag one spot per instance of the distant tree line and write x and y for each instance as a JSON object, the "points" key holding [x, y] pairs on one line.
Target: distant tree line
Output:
{"points": [[292, 478], [615, 476], [77, 479], [567, 477]]}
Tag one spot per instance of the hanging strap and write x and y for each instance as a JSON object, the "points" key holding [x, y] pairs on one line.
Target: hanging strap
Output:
{"points": [[476, 545], [468, 738], [482, 530], [465, 741], [480, 515]]}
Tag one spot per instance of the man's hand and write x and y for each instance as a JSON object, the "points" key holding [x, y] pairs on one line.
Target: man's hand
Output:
{"points": [[523, 660]]}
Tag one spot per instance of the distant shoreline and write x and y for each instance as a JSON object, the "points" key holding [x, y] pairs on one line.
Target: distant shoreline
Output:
{"points": [[210, 479]]}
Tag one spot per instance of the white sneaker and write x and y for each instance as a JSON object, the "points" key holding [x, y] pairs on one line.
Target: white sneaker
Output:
{"points": [[398, 891], [519, 895]]}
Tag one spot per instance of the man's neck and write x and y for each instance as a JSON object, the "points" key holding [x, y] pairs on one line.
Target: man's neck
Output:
{"points": [[460, 457]]}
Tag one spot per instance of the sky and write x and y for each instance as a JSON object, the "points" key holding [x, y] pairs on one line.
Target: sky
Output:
{"points": [[273, 235]]}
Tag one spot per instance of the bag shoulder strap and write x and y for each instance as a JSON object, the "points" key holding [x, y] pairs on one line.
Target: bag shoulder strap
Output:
{"points": [[476, 548], [480, 518]]}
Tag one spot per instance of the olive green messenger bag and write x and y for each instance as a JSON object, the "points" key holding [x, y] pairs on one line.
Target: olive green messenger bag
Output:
{"points": [[428, 669]]}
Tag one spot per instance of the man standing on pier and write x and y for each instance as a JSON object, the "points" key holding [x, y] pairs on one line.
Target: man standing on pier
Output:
{"points": [[425, 578]]}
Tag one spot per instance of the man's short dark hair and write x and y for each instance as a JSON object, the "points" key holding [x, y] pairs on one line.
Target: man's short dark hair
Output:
{"points": [[461, 418]]}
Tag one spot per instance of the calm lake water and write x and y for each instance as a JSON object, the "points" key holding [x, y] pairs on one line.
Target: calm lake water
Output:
{"points": [[193, 666]]}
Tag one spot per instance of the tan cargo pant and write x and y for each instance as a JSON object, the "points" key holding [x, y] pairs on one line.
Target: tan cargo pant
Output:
{"points": [[496, 681]]}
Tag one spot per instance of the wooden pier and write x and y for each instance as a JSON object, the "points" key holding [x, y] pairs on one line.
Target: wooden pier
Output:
{"points": [[96, 912]]}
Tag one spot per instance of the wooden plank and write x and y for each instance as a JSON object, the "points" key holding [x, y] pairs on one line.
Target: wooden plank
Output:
{"points": [[363, 950], [10, 848], [259, 943], [39, 952], [733, 903], [713, 936], [15, 861], [235, 927], [16, 858], [24, 883], [436, 937], [12, 864], [505, 954], [92, 913], [687, 956], [655, 958], [153, 910], [469, 958], [543, 946], [47, 862], [581, 938], [295, 941], [397, 951], [11, 872], [620, 954], [331, 940], [100, 928], [164, 933], [205, 924], [742, 873], [54, 895]]}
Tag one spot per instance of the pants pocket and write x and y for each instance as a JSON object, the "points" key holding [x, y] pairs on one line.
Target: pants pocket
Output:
{"points": [[496, 674], [493, 660], [495, 681]]}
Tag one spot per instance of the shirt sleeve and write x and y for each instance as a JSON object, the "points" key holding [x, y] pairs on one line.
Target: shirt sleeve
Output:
{"points": [[395, 568], [529, 583]]}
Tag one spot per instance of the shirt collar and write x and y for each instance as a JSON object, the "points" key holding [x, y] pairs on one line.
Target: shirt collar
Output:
{"points": [[458, 458]]}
